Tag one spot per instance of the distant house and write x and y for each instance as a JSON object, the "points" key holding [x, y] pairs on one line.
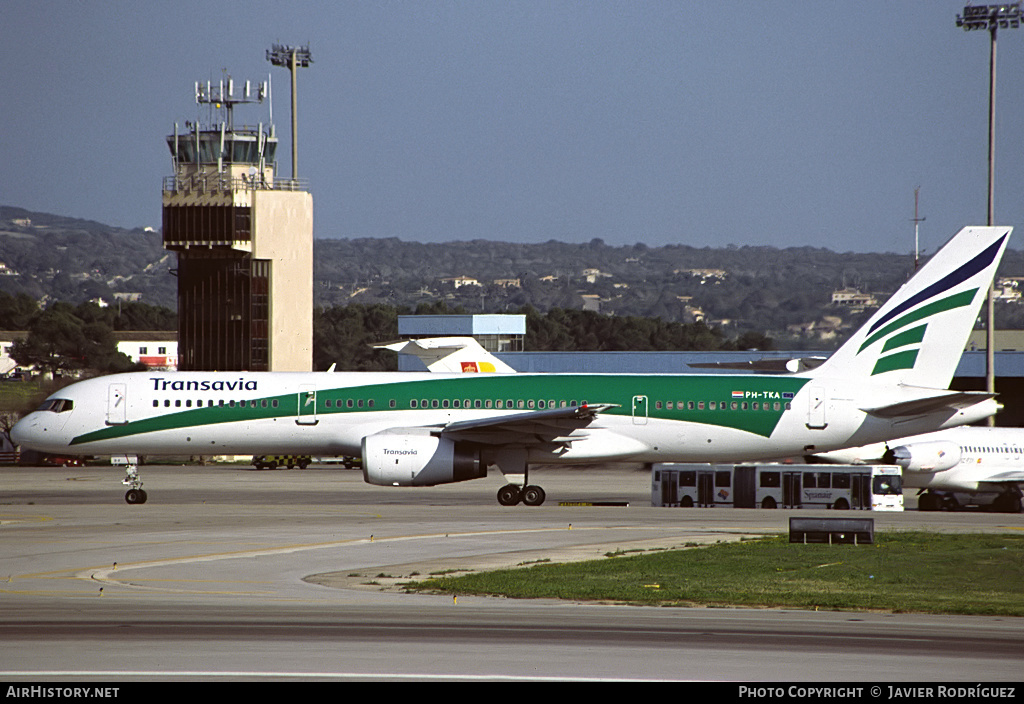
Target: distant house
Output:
{"points": [[156, 349], [592, 275], [460, 281], [8, 338], [705, 275], [508, 283], [1007, 289], [853, 298]]}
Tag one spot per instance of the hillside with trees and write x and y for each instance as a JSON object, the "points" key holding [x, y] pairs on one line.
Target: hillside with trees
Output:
{"points": [[782, 294]]}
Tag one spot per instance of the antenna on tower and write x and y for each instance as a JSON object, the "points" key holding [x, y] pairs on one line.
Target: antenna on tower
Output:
{"points": [[223, 97], [917, 223]]}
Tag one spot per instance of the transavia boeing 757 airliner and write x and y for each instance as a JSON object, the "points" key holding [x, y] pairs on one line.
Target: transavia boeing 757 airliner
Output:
{"points": [[889, 380]]}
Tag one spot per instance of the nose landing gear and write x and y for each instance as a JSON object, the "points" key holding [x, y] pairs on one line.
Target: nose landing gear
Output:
{"points": [[135, 494]]}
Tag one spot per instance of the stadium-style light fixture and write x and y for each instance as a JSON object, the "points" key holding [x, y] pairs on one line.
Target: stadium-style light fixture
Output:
{"points": [[992, 18], [292, 58]]}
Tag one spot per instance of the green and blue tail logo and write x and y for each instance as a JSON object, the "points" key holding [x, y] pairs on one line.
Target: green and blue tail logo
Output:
{"points": [[903, 328]]}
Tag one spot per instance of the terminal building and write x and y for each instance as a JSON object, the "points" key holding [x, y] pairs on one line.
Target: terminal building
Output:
{"points": [[244, 240]]}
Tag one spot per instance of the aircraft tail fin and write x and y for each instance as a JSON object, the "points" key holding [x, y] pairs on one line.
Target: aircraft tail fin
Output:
{"points": [[451, 354], [918, 336]]}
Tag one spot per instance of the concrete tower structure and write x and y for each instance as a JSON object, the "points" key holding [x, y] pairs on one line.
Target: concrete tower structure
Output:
{"points": [[244, 239]]}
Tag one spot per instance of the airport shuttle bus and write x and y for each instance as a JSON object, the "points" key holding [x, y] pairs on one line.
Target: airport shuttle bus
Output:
{"points": [[840, 487]]}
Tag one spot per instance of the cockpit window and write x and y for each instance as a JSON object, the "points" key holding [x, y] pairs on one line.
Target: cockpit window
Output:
{"points": [[57, 405]]}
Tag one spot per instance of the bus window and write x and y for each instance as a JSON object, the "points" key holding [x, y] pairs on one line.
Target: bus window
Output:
{"points": [[687, 479], [809, 480], [841, 481], [887, 484], [770, 479], [723, 478]]}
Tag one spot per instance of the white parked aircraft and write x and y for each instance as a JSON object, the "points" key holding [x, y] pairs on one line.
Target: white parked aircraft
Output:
{"points": [[450, 354], [967, 465], [413, 429]]}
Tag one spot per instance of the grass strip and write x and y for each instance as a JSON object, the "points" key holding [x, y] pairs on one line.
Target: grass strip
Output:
{"points": [[900, 572]]}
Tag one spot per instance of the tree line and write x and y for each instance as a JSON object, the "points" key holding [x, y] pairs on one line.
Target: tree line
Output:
{"points": [[63, 337]]}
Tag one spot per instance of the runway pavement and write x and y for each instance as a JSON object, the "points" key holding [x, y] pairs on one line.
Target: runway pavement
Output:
{"points": [[231, 573]]}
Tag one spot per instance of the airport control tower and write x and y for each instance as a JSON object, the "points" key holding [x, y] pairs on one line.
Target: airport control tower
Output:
{"points": [[244, 239]]}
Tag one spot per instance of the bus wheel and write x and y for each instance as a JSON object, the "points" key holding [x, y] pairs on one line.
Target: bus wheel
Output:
{"points": [[769, 502], [841, 505]]}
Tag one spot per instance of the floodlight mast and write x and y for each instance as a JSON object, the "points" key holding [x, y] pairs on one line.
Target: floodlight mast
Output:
{"points": [[292, 58], [992, 18]]}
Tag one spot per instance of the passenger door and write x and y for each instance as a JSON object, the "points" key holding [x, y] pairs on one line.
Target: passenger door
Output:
{"points": [[306, 405], [117, 404]]}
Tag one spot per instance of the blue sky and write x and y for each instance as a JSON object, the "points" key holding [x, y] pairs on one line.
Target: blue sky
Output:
{"points": [[783, 123]]}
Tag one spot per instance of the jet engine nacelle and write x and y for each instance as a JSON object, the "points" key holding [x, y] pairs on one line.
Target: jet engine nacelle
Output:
{"points": [[418, 459], [931, 456]]}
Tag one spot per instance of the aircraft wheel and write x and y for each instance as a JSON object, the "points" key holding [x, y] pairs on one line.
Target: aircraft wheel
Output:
{"points": [[533, 496], [509, 495], [1007, 503], [927, 502], [135, 496]]}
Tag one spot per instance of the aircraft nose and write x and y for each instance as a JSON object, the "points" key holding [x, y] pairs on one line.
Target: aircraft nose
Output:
{"points": [[23, 431], [33, 432]]}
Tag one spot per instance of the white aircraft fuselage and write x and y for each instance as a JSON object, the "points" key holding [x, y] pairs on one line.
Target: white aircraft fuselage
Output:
{"points": [[890, 379], [653, 418], [967, 459]]}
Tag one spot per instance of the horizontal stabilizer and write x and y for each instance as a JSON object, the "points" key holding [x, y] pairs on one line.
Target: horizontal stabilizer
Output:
{"points": [[767, 365], [1011, 477], [951, 401]]}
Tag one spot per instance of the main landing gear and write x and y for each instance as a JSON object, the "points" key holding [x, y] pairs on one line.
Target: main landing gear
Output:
{"points": [[512, 494], [135, 494]]}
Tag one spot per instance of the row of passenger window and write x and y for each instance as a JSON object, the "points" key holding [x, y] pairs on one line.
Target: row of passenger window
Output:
{"points": [[527, 404], [199, 403], [723, 405]]}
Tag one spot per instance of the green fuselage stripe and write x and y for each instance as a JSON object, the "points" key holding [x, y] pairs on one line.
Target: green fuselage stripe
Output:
{"points": [[750, 403]]}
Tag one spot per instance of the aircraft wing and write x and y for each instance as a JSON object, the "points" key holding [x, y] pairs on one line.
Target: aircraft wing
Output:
{"points": [[951, 401], [531, 428]]}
